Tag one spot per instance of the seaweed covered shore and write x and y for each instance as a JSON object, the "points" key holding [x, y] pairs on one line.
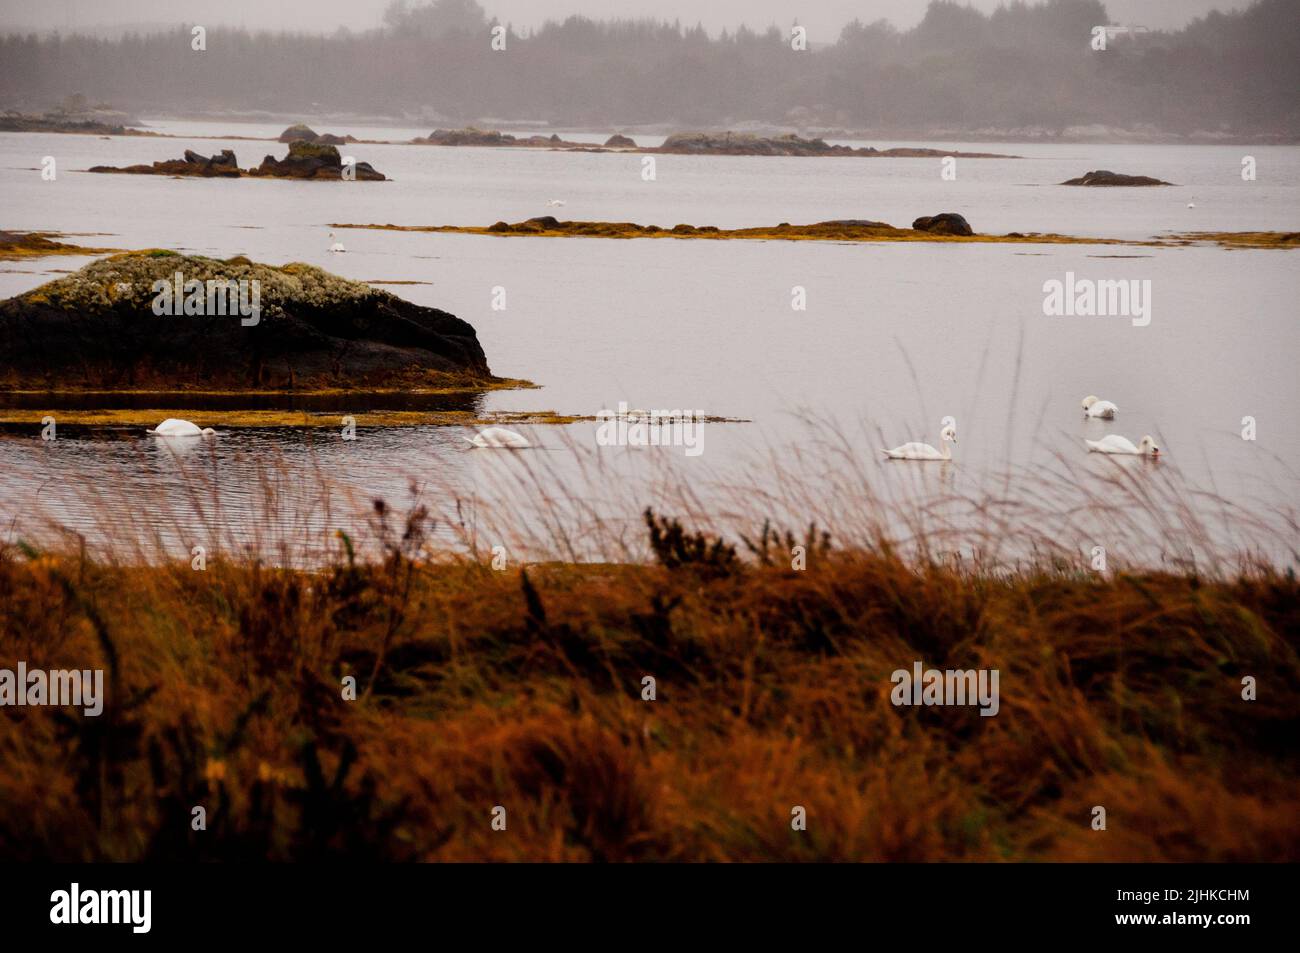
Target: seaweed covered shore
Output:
{"points": [[925, 229]]}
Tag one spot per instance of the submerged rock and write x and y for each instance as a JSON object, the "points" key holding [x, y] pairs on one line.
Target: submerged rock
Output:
{"points": [[945, 223], [1106, 177], [296, 326]]}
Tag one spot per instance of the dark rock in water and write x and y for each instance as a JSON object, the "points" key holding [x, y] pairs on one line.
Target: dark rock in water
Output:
{"points": [[468, 137], [1106, 177], [98, 328], [747, 144], [310, 160], [546, 221], [298, 132], [619, 141], [306, 160], [223, 164], [945, 223]]}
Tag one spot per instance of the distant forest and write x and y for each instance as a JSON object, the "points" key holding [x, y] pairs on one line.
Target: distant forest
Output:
{"points": [[1025, 66]]}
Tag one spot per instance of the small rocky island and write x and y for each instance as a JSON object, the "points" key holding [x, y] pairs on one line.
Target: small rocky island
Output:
{"points": [[306, 160], [301, 132], [745, 144], [1104, 177], [691, 143], [157, 319]]}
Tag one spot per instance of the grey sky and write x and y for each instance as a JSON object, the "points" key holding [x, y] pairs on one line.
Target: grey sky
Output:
{"points": [[822, 17]]}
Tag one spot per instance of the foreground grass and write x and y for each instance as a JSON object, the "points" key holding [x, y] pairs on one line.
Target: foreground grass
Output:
{"points": [[523, 688]]}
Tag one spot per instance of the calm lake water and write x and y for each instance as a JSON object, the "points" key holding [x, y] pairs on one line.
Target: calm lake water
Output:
{"points": [[894, 336]]}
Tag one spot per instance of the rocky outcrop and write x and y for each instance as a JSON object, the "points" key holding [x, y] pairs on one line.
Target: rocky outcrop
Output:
{"points": [[620, 141], [298, 327], [1106, 177], [300, 132], [306, 160], [745, 144], [223, 165], [945, 223], [468, 136], [310, 160]]}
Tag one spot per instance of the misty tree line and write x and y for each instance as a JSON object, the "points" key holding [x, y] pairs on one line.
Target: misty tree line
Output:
{"points": [[1027, 64]]}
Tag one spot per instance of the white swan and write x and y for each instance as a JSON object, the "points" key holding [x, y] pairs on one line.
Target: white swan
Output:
{"points": [[923, 451], [172, 427], [336, 246], [556, 203], [1191, 205], [499, 438], [1092, 407], [1114, 443]]}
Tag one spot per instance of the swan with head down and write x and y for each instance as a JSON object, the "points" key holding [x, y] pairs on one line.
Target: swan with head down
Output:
{"points": [[175, 427], [1114, 443], [1092, 407], [499, 438], [923, 451]]}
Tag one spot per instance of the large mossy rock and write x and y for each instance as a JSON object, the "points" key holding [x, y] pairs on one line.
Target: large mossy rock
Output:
{"points": [[96, 329]]}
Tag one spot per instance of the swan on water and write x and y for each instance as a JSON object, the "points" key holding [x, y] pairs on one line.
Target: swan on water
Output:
{"points": [[1092, 407], [500, 438], [923, 451], [336, 245], [172, 427], [556, 203], [1114, 443]]}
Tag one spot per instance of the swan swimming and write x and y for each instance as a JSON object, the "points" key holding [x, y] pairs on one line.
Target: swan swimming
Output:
{"points": [[337, 245], [1114, 443], [172, 427], [923, 451], [499, 438], [1092, 407], [556, 203]]}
